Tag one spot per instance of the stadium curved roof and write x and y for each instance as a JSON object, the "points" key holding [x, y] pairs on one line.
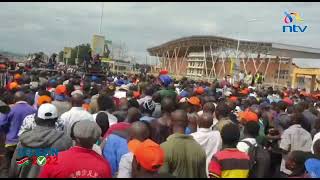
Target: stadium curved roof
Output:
{"points": [[197, 43]]}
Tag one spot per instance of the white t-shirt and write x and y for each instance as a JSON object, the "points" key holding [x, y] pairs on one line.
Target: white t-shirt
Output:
{"points": [[243, 147], [315, 138]]}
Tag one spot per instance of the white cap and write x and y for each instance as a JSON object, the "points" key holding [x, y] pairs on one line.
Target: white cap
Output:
{"points": [[77, 92], [227, 93], [47, 111]]}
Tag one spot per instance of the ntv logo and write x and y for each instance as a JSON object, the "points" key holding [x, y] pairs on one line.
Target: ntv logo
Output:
{"points": [[294, 28]]}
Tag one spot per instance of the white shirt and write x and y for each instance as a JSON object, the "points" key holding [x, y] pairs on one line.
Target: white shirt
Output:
{"points": [[292, 139], [210, 141], [73, 115], [315, 138], [112, 119], [243, 147], [97, 149], [125, 166]]}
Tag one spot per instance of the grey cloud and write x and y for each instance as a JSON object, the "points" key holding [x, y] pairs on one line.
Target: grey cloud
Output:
{"points": [[49, 26]]}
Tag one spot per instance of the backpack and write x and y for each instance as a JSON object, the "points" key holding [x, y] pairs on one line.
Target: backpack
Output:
{"points": [[259, 161]]}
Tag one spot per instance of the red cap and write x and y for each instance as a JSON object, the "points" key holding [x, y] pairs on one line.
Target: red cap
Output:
{"points": [[147, 153], [288, 101], [199, 90], [136, 94], [233, 99], [61, 89], [163, 72], [2, 66], [248, 116]]}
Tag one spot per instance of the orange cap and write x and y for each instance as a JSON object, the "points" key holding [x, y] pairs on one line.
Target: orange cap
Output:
{"points": [[86, 107], [147, 153], [17, 76], [194, 101], [199, 90], [245, 91], [13, 85], [61, 89], [43, 99], [248, 116]]}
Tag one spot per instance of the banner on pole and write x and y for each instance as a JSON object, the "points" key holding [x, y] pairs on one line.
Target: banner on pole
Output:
{"points": [[67, 52], [232, 65], [97, 45]]}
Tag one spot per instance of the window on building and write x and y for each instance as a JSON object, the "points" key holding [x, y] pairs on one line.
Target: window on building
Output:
{"points": [[284, 74]]}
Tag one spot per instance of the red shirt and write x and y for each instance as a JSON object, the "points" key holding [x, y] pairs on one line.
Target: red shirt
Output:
{"points": [[77, 162]]}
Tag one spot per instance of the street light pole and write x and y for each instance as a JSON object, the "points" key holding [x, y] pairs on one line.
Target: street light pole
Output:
{"points": [[77, 60], [236, 69], [101, 17]]}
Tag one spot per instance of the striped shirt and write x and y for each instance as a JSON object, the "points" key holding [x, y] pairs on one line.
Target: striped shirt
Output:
{"points": [[229, 163]]}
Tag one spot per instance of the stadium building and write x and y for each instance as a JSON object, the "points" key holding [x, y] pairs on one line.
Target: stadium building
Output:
{"points": [[210, 57]]}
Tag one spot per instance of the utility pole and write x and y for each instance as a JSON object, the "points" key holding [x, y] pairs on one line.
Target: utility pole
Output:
{"points": [[101, 17], [77, 60]]}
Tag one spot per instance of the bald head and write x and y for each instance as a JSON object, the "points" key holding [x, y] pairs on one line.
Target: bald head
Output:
{"points": [[133, 115], [20, 96], [179, 119], [140, 130], [209, 107], [77, 100], [123, 104], [206, 120]]}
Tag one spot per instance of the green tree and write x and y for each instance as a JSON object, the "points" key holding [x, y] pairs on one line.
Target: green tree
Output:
{"points": [[83, 51], [60, 56]]}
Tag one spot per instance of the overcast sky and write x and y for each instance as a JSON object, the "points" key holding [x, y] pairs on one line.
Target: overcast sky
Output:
{"points": [[50, 26]]}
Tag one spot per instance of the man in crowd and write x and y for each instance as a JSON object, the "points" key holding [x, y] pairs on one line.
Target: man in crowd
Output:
{"points": [[161, 125], [76, 113], [116, 144], [139, 131], [148, 108], [60, 100], [222, 114], [148, 158], [295, 138], [80, 161], [29, 121], [230, 162], [41, 137], [184, 157], [209, 140], [146, 95], [106, 105], [11, 123]]}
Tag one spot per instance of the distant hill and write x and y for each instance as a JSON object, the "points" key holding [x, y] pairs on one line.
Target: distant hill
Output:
{"points": [[7, 53], [13, 55]]}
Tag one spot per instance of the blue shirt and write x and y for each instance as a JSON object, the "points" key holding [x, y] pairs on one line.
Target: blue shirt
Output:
{"points": [[114, 148], [147, 118], [313, 167], [187, 131], [11, 122]]}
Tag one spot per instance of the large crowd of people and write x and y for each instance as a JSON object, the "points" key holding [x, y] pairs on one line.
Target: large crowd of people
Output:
{"points": [[142, 125]]}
